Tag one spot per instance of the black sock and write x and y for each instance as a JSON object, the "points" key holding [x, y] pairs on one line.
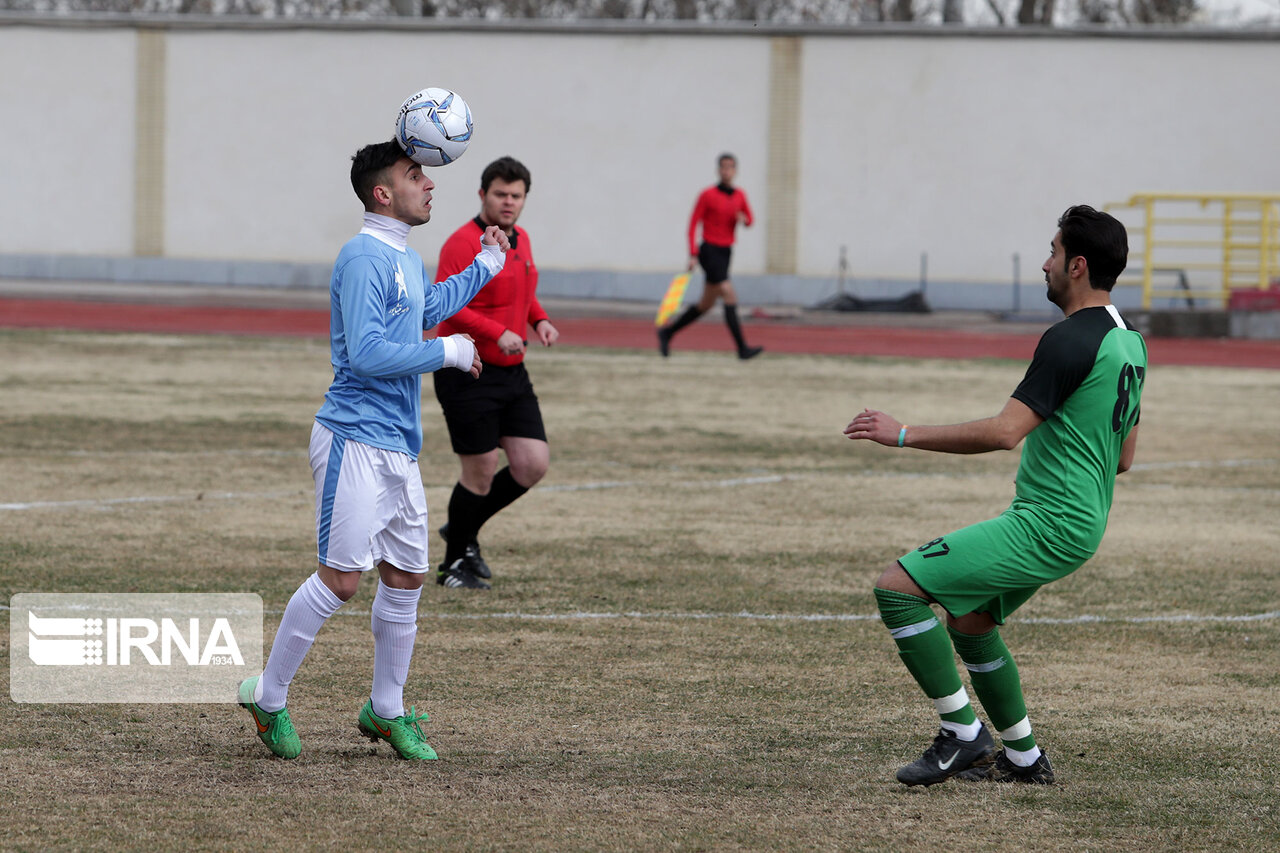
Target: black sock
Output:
{"points": [[464, 507], [690, 314], [735, 328], [502, 492]]}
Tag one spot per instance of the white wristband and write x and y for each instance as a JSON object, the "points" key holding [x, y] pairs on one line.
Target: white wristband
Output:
{"points": [[450, 351], [492, 257], [458, 352]]}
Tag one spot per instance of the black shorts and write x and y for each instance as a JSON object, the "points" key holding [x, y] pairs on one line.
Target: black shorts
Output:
{"points": [[481, 411], [715, 262]]}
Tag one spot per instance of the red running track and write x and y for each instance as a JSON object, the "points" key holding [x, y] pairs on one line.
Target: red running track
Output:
{"points": [[624, 332]]}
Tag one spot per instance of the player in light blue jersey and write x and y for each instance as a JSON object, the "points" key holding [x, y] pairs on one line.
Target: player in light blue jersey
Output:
{"points": [[370, 507]]}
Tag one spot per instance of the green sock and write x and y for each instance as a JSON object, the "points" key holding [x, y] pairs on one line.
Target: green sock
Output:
{"points": [[926, 651], [995, 680]]}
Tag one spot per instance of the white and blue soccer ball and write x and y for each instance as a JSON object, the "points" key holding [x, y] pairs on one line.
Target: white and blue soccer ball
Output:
{"points": [[434, 127]]}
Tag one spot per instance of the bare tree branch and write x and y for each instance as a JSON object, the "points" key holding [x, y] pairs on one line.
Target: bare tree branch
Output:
{"points": [[843, 12]]}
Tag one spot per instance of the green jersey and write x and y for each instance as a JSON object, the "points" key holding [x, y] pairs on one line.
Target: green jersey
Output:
{"points": [[1086, 382]]}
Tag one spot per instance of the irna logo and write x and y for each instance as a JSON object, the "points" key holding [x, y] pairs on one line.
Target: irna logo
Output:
{"points": [[60, 641], [132, 647]]}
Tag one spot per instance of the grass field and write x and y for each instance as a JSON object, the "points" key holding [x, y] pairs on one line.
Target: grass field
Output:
{"points": [[679, 651]]}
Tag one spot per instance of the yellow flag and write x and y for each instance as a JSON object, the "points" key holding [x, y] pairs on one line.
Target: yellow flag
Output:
{"points": [[674, 296]]}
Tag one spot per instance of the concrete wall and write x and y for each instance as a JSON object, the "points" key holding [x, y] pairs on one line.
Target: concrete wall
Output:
{"points": [[892, 144], [66, 140], [969, 149]]}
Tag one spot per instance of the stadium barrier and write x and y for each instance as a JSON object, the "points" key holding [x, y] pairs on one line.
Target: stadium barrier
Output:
{"points": [[1219, 248]]}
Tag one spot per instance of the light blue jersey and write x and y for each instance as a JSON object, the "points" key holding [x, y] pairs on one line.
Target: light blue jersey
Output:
{"points": [[379, 305]]}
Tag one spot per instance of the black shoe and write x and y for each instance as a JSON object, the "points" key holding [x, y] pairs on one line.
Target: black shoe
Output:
{"points": [[664, 342], [474, 562], [471, 556], [457, 575], [749, 352], [947, 756], [1004, 770]]}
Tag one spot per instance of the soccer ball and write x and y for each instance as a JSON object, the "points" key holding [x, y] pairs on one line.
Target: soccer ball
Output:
{"points": [[434, 127]]}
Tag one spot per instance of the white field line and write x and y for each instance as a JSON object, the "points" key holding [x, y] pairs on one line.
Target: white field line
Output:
{"points": [[302, 452], [764, 479], [1211, 463], [566, 487], [761, 480], [749, 616], [160, 454], [146, 499]]}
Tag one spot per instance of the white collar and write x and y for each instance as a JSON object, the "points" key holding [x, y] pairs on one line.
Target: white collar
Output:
{"points": [[393, 232]]}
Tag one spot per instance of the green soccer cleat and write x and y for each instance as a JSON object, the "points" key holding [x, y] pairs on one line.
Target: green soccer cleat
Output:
{"points": [[275, 730], [403, 733]]}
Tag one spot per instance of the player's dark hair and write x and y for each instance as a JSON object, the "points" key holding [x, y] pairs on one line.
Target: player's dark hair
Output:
{"points": [[726, 156], [1100, 239], [368, 168], [507, 169]]}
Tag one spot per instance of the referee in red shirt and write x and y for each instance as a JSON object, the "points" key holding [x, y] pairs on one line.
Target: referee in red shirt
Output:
{"points": [[718, 210], [497, 411]]}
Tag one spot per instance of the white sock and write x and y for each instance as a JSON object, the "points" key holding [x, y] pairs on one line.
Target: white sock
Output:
{"points": [[304, 615], [967, 732], [395, 625], [1023, 758]]}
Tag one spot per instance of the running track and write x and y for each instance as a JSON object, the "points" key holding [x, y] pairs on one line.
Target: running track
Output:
{"points": [[623, 332]]}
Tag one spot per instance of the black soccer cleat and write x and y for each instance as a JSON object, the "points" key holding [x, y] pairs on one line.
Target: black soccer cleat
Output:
{"points": [[948, 756], [664, 342], [1004, 770], [749, 352], [457, 576], [471, 555], [474, 562]]}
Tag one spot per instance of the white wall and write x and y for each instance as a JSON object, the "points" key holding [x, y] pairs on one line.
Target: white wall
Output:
{"points": [[66, 140], [619, 133], [965, 147], [971, 148]]}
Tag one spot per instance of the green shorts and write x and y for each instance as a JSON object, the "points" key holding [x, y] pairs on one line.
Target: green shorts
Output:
{"points": [[995, 566]]}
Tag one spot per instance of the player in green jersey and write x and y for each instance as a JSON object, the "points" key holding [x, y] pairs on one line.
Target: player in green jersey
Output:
{"points": [[1077, 407]]}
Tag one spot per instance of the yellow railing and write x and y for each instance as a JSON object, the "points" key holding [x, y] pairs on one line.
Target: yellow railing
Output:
{"points": [[1192, 246]]}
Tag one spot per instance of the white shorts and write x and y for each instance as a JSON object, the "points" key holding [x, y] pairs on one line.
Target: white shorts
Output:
{"points": [[369, 505]]}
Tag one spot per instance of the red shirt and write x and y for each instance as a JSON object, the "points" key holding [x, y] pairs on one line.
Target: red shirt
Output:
{"points": [[507, 302], [717, 209]]}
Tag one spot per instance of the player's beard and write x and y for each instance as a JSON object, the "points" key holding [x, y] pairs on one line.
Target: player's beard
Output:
{"points": [[1055, 295]]}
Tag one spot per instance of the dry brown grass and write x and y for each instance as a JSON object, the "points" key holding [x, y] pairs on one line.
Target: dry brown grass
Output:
{"points": [[721, 488]]}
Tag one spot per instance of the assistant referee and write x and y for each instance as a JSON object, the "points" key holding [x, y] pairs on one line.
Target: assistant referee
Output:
{"points": [[718, 212]]}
